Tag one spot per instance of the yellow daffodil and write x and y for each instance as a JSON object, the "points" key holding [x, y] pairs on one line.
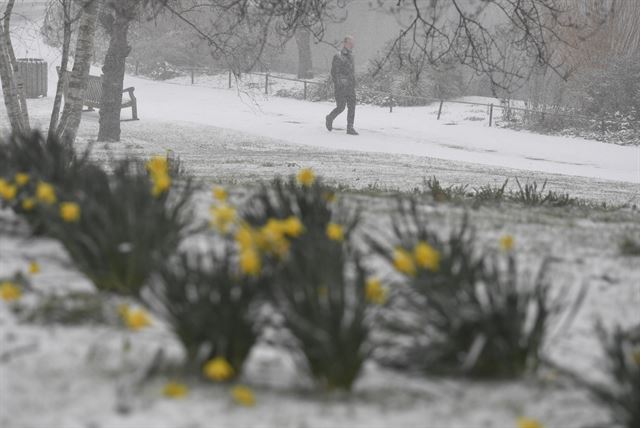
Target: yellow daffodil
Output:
{"points": [[175, 390], [250, 263], [245, 237], [243, 395], [335, 232], [134, 319], [375, 292], [403, 262], [70, 212], [220, 194], [306, 177], [158, 165], [45, 193], [28, 204], [293, 227], [7, 191], [9, 292], [427, 257], [506, 243], [21, 179], [223, 217], [529, 423], [161, 183], [636, 357], [34, 268], [218, 369]]}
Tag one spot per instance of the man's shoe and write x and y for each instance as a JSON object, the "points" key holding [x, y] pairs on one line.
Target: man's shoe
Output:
{"points": [[352, 131], [328, 123]]}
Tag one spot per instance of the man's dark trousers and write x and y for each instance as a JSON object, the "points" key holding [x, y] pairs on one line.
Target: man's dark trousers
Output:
{"points": [[342, 100]]}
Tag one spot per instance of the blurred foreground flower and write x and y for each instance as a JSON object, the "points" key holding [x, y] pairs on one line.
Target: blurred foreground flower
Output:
{"points": [[70, 212], [335, 232], [218, 369], [403, 262], [134, 319], [243, 395], [175, 390], [7, 191], [45, 193], [21, 179], [220, 194], [375, 292], [28, 204], [34, 268], [306, 177], [9, 292], [506, 243], [427, 257], [529, 423], [223, 217]]}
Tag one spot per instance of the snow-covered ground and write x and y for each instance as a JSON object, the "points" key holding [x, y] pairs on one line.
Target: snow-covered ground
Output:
{"points": [[79, 376]]}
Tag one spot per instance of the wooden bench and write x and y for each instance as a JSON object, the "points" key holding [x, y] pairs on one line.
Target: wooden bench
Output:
{"points": [[93, 94]]}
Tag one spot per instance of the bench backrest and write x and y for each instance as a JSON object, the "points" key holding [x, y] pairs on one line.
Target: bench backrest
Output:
{"points": [[93, 92]]}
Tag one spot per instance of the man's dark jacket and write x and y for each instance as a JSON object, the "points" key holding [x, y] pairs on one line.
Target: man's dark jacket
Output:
{"points": [[343, 73]]}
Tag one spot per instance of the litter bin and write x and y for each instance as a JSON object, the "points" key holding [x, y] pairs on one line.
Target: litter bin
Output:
{"points": [[34, 76]]}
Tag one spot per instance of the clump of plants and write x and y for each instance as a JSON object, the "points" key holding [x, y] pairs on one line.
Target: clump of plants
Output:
{"points": [[490, 194], [319, 286], [453, 193], [209, 302], [478, 317], [121, 227], [531, 194], [621, 394]]}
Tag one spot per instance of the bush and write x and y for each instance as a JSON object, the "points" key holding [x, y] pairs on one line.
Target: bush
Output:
{"points": [[476, 317], [320, 286], [445, 194], [119, 229], [208, 304]]}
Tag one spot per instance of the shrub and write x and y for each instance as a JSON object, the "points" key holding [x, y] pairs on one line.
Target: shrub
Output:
{"points": [[445, 194], [476, 316], [120, 228], [489, 193], [208, 303], [320, 286]]}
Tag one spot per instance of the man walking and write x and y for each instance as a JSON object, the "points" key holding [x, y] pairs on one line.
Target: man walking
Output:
{"points": [[344, 84]]}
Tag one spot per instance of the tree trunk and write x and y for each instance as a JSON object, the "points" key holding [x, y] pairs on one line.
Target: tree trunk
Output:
{"points": [[112, 83], [12, 87], [305, 64], [72, 113], [66, 42]]}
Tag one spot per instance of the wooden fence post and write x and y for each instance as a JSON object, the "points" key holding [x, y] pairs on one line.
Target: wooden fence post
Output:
{"points": [[440, 109], [490, 115], [192, 77], [229, 79], [305, 90], [266, 83], [390, 104]]}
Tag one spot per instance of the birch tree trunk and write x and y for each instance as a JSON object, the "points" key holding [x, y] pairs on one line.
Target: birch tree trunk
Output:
{"points": [[12, 86], [72, 113], [66, 42]]}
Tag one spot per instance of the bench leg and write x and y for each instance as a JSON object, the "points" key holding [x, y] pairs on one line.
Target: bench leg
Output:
{"points": [[134, 110]]}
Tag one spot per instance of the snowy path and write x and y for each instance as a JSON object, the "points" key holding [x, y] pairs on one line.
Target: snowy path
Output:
{"points": [[410, 131]]}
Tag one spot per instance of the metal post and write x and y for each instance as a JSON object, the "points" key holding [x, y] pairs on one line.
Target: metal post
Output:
{"points": [[266, 83], [305, 90], [440, 109], [229, 79], [490, 115]]}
